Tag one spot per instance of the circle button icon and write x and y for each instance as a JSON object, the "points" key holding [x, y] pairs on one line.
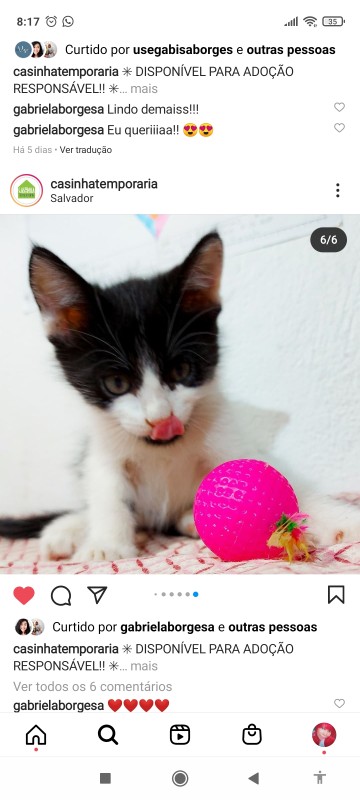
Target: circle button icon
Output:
{"points": [[180, 778]]}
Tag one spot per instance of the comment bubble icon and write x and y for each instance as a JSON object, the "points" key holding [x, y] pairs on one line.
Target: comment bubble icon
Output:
{"points": [[61, 596]]}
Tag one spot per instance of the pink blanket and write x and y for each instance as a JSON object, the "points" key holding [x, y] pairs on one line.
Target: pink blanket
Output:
{"points": [[169, 555]]}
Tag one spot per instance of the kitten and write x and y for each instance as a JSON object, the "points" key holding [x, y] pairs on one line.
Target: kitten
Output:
{"points": [[144, 355]]}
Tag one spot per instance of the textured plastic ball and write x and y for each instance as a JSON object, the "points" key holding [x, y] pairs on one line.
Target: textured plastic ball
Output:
{"points": [[237, 506]]}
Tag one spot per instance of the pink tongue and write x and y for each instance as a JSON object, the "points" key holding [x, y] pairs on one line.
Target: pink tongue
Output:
{"points": [[166, 429]]}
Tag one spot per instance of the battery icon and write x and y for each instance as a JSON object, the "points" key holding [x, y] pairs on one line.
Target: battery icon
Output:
{"points": [[333, 22]]}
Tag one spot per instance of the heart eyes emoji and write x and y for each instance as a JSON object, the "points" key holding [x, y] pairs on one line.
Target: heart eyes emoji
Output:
{"points": [[205, 129], [190, 129]]}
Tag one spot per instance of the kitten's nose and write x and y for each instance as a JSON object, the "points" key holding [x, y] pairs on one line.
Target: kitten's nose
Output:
{"points": [[154, 422], [166, 428]]}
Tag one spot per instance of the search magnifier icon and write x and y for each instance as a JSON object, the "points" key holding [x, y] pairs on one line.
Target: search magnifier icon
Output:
{"points": [[107, 734]]}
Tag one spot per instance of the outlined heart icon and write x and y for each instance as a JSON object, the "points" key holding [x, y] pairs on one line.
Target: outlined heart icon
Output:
{"points": [[339, 127], [24, 593], [146, 704], [130, 704], [339, 702], [339, 106], [114, 704], [161, 704]]}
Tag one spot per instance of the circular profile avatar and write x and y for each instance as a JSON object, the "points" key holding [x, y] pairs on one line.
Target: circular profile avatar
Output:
{"points": [[37, 50], [324, 734], [26, 190], [23, 627], [50, 49], [23, 49], [37, 627]]}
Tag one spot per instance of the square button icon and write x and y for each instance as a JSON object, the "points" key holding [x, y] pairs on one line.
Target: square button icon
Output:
{"points": [[105, 777]]}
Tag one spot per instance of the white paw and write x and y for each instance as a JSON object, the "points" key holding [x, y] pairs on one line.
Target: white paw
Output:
{"points": [[331, 521], [61, 537], [186, 525], [102, 551]]}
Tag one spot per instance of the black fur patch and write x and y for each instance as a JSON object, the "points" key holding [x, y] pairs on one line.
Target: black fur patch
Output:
{"points": [[161, 321], [27, 526]]}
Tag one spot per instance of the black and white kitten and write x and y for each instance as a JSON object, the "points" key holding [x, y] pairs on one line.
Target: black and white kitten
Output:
{"points": [[143, 354]]}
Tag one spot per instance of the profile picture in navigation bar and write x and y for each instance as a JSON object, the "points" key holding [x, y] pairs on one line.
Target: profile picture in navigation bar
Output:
{"points": [[324, 734]]}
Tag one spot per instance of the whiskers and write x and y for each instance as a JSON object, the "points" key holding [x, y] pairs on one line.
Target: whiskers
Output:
{"points": [[174, 341], [114, 352], [195, 353], [111, 332]]}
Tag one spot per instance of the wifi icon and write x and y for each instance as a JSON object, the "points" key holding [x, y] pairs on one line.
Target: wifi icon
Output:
{"points": [[311, 21]]}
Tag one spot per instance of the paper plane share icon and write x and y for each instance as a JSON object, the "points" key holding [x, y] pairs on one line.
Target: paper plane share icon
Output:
{"points": [[98, 592]]}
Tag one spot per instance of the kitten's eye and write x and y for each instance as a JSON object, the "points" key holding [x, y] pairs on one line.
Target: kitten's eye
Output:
{"points": [[116, 384], [180, 372]]}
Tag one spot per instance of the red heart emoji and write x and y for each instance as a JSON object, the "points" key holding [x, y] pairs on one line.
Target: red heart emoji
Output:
{"points": [[161, 704], [130, 704], [146, 704], [23, 594], [114, 704]]}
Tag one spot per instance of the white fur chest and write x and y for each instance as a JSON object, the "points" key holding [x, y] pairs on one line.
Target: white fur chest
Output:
{"points": [[157, 481], [163, 483]]}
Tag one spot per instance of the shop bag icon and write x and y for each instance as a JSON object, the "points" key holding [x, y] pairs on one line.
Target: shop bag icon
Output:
{"points": [[252, 735]]}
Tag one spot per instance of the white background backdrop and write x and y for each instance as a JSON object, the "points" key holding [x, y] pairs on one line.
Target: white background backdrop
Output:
{"points": [[290, 330]]}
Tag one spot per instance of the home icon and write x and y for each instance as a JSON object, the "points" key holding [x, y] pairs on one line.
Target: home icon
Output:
{"points": [[36, 736], [26, 190]]}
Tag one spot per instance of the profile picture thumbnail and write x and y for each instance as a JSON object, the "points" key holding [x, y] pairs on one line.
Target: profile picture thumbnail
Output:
{"points": [[47, 49], [37, 49], [324, 734], [23, 49], [50, 49], [23, 627], [37, 627]]}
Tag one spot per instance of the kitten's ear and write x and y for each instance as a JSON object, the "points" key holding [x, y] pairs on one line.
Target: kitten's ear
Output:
{"points": [[61, 294], [202, 269]]}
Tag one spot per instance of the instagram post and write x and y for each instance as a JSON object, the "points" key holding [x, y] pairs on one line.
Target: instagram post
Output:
{"points": [[179, 406], [187, 373]]}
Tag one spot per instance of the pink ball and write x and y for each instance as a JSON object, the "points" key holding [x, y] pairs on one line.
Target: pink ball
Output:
{"points": [[237, 506]]}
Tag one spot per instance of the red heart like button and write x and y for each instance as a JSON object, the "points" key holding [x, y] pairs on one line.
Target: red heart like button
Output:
{"points": [[161, 704], [23, 594], [114, 704], [130, 704], [146, 704]]}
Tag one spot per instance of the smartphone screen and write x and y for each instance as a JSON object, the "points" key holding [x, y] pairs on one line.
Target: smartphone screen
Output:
{"points": [[179, 411]]}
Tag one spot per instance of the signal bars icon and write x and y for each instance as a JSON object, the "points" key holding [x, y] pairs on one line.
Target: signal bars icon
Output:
{"points": [[311, 21]]}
